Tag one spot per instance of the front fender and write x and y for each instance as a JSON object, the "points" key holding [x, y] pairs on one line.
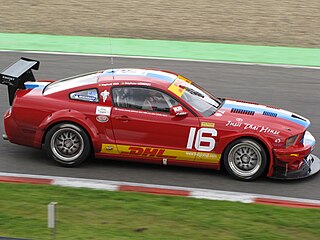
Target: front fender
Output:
{"points": [[69, 115], [225, 140]]}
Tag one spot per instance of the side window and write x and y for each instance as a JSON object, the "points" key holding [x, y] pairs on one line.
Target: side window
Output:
{"points": [[142, 99], [88, 95]]}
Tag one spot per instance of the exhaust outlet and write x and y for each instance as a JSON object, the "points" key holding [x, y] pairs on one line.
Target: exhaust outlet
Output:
{"points": [[5, 137]]}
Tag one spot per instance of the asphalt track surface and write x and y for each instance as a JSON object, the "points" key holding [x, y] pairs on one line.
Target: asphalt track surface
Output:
{"points": [[293, 89]]}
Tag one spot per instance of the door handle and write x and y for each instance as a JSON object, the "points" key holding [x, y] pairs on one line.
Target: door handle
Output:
{"points": [[123, 118]]}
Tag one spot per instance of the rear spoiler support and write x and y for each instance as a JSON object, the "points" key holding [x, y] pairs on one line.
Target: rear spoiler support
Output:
{"points": [[17, 74]]}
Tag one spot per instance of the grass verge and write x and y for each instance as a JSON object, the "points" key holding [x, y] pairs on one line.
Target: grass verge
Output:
{"points": [[161, 48], [95, 214]]}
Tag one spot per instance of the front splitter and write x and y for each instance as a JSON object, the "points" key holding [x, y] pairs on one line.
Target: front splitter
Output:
{"points": [[314, 167]]}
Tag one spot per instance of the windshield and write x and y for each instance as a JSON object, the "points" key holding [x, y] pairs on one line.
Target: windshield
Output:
{"points": [[67, 83], [202, 101]]}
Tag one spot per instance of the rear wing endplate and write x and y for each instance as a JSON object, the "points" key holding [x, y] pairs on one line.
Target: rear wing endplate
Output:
{"points": [[17, 74]]}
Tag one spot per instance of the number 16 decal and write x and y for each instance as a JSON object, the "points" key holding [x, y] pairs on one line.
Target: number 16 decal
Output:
{"points": [[201, 139]]}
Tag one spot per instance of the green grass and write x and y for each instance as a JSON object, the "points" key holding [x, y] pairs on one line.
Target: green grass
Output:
{"points": [[95, 214], [162, 48]]}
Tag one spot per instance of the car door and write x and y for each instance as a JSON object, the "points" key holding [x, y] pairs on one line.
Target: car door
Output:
{"points": [[144, 128]]}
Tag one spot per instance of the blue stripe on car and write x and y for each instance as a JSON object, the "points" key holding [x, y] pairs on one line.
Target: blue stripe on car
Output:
{"points": [[108, 73], [162, 77], [31, 86], [280, 114], [151, 74]]}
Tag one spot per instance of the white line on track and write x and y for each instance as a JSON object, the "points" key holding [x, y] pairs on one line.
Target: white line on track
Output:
{"points": [[169, 59]]}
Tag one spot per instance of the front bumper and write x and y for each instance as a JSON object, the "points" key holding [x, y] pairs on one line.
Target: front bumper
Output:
{"points": [[309, 167]]}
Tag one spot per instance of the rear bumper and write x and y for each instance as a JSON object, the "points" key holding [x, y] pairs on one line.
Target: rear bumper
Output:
{"points": [[309, 167], [14, 133]]}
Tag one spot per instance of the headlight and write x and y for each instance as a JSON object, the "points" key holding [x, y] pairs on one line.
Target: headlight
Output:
{"points": [[290, 141], [308, 139]]}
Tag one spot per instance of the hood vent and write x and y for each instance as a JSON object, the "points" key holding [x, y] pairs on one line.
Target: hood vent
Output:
{"points": [[242, 111], [298, 117], [270, 114]]}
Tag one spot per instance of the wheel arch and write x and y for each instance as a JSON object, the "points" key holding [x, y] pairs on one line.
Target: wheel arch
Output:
{"points": [[73, 117], [66, 122], [79, 148], [267, 147]]}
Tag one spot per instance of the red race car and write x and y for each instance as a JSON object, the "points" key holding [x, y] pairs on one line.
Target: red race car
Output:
{"points": [[153, 116]]}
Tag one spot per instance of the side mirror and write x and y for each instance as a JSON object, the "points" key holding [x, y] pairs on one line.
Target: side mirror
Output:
{"points": [[178, 111]]}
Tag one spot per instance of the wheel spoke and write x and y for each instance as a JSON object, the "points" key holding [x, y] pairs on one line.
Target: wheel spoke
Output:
{"points": [[244, 159], [67, 144]]}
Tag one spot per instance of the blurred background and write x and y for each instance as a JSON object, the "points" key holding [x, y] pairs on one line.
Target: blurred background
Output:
{"points": [[260, 22]]}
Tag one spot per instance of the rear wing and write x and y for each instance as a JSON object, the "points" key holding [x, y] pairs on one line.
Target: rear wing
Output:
{"points": [[17, 74]]}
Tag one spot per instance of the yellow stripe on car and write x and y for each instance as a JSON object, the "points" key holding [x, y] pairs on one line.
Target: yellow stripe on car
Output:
{"points": [[149, 152]]}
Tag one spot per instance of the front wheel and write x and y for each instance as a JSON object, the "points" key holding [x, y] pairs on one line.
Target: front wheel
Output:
{"points": [[245, 159], [67, 144]]}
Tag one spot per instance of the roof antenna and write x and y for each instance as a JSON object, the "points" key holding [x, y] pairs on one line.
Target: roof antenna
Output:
{"points": [[111, 54]]}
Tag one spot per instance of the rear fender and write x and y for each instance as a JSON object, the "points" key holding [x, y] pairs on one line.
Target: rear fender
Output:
{"points": [[68, 115]]}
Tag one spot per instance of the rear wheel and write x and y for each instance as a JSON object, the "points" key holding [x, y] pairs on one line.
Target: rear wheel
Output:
{"points": [[245, 159], [67, 144]]}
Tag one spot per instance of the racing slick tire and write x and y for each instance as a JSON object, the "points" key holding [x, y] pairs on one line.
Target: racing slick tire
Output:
{"points": [[245, 159], [67, 144]]}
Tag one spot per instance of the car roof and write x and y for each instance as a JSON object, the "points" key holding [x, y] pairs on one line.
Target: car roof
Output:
{"points": [[135, 75]]}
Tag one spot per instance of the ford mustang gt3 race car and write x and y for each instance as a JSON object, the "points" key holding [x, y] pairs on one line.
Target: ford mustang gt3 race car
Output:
{"points": [[153, 116]]}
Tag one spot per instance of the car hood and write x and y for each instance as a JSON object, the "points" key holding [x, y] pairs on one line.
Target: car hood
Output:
{"points": [[262, 112]]}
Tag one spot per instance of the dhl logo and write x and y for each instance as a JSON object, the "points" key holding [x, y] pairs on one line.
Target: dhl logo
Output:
{"points": [[147, 152]]}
